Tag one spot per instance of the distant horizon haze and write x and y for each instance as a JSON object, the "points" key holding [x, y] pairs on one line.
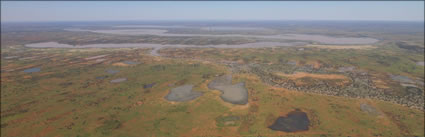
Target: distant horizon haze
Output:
{"points": [[92, 11], [218, 21]]}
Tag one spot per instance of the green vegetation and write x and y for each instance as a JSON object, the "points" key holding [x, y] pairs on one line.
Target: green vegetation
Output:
{"points": [[73, 94], [66, 99]]}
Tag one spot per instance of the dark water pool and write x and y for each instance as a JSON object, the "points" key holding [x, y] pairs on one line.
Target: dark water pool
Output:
{"points": [[293, 122], [148, 85]]}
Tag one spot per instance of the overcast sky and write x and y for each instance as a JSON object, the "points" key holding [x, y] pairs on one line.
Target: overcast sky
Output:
{"points": [[210, 10]]}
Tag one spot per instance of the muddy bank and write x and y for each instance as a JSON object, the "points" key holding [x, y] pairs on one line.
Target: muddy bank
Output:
{"points": [[293, 122], [235, 94], [182, 94]]}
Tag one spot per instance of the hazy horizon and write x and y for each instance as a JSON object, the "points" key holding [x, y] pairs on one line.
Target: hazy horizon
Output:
{"points": [[93, 11]]}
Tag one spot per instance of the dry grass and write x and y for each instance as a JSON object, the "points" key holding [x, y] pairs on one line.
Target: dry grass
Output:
{"points": [[120, 64], [315, 64], [298, 75], [380, 84]]}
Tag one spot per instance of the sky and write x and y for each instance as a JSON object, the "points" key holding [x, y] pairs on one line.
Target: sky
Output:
{"points": [[35, 11]]}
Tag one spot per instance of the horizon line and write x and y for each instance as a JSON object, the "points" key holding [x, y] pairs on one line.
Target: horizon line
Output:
{"points": [[218, 20]]}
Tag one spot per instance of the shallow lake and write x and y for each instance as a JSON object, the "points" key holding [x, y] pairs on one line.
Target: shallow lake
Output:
{"points": [[157, 47], [32, 70], [131, 62], [111, 71], [118, 80], [401, 79], [304, 37], [235, 94], [151, 45], [182, 94]]}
